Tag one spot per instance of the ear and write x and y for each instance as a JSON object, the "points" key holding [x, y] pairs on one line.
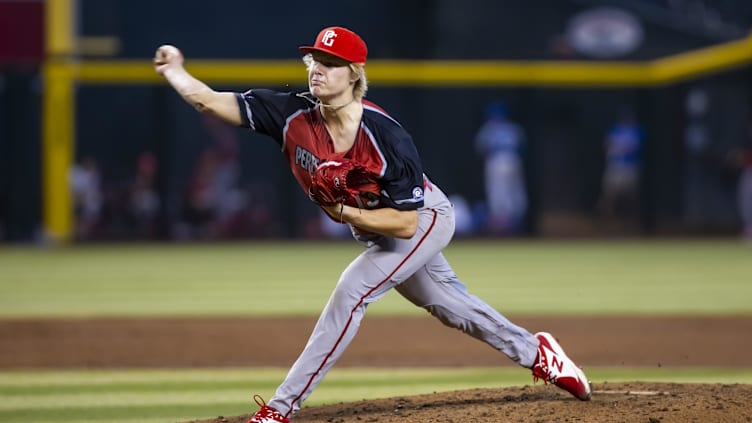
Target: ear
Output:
{"points": [[354, 76]]}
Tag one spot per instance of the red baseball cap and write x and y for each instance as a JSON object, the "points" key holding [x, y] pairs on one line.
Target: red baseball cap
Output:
{"points": [[340, 42]]}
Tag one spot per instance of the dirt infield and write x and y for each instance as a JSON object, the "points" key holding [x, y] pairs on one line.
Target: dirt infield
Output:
{"points": [[422, 342], [624, 402]]}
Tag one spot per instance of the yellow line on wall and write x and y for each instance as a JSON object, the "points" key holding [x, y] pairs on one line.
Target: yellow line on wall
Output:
{"points": [[703, 61], [454, 73], [381, 72], [501, 73]]}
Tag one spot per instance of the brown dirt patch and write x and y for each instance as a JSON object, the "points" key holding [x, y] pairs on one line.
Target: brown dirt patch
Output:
{"points": [[421, 342], [623, 402]]}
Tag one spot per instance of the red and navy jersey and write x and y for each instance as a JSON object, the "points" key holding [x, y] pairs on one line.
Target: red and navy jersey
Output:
{"points": [[381, 144]]}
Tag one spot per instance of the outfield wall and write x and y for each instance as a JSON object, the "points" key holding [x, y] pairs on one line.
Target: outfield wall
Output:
{"points": [[118, 114]]}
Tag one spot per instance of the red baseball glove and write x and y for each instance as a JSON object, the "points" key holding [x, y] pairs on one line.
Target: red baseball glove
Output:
{"points": [[344, 181]]}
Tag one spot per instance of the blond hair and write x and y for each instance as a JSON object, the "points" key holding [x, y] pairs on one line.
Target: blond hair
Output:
{"points": [[358, 70]]}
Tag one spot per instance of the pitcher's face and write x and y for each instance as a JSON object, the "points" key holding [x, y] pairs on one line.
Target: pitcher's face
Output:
{"points": [[329, 77]]}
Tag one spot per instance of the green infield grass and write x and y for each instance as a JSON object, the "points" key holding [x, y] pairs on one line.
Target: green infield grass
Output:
{"points": [[150, 396], [517, 277]]}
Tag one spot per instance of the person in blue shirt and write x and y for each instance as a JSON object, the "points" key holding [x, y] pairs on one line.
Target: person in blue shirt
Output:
{"points": [[621, 176]]}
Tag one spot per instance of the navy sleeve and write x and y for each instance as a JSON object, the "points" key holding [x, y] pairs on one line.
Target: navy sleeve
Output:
{"points": [[403, 177], [266, 111]]}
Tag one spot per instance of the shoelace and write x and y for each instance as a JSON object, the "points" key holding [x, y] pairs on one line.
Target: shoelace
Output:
{"points": [[543, 373], [266, 411]]}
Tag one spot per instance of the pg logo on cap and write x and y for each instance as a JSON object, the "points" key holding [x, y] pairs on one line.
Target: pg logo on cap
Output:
{"points": [[328, 38], [340, 42]]}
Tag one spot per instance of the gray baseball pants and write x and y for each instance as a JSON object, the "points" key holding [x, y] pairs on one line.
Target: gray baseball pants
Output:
{"points": [[417, 269]]}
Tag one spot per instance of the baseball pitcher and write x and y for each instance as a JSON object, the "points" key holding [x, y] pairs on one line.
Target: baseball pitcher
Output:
{"points": [[361, 167]]}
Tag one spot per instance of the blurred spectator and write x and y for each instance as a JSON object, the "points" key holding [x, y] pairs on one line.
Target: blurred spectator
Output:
{"points": [[143, 199], [85, 183], [696, 145], [500, 141], [201, 198], [621, 176], [705, 203], [742, 160], [745, 193], [3, 212], [214, 206], [260, 220]]}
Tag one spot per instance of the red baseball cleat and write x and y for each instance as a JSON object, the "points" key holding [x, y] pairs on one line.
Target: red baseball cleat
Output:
{"points": [[552, 365], [266, 414]]}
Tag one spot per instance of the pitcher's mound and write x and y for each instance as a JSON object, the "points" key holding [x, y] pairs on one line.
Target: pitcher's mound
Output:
{"points": [[644, 402]]}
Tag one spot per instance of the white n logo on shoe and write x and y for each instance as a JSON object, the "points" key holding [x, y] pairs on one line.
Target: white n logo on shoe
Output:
{"points": [[556, 366], [556, 363]]}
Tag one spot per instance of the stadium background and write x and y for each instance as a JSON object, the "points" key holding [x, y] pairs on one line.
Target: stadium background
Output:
{"points": [[117, 115]]}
